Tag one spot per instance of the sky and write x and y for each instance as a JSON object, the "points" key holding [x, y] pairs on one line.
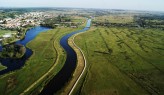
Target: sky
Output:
{"points": [[150, 5]]}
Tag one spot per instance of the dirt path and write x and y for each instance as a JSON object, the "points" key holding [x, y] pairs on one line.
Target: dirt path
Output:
{"points": [[44, 76]]}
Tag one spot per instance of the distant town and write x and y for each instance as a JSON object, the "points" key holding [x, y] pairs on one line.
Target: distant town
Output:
{"points": [[27, 19], [19, 24]]}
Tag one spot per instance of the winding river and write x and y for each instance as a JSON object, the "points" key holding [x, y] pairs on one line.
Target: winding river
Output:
{"points": [[70, 64], [64, 74], [15, 64]]}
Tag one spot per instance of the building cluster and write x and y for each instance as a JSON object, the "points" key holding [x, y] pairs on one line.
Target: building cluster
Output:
{"points": [[27, 19], [20, 21]]}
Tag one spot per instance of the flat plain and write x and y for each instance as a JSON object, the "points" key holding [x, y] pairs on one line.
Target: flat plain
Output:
{"points": [[45, 47], [126, 61]]}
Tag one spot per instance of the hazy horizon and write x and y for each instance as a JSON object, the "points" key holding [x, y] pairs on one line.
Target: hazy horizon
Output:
{"points": [[146, 5]]}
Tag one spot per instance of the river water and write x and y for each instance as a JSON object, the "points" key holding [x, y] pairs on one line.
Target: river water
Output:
{"points": [[66, 72], [15, 64]]}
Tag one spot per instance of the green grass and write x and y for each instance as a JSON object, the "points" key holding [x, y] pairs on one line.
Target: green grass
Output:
{"points": [[2, 67], [40, 62], [119, 18], [8, 40], [125, 61], [3, 32]]}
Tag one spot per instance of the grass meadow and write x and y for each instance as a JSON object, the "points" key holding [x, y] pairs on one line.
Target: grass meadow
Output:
{"points": [[46, 48], [123, 61], [119, 18], [2, 67], [3, 32]]}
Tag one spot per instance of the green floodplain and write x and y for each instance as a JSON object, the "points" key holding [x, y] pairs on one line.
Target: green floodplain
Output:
{"points": [[125, 61], [2, 67], [47, 54], [125, 55], [2, 32], [45, 48]]}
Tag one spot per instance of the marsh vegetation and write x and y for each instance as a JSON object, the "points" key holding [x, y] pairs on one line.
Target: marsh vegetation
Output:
{"points": [[123, 60]]}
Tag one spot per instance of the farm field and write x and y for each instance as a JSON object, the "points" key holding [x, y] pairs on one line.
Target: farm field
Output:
{"points": [[126, 61]]}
